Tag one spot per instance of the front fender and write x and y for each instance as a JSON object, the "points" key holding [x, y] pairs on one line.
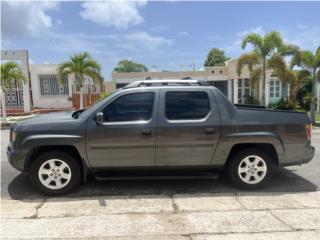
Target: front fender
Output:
{"points": [[32, 142], [230, 140]]}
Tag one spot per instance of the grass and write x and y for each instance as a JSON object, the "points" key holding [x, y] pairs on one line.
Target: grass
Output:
{"points": [[318, 118]]}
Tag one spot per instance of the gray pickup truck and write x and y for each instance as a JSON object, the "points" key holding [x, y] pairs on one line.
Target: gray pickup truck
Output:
{"points": [[159, 128]]}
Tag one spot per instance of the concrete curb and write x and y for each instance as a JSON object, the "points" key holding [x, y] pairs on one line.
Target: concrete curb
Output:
{"points": [[140, 217], [140, 225]]}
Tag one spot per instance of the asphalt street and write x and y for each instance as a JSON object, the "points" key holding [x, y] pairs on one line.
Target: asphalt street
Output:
{"points": [[15, 185]]}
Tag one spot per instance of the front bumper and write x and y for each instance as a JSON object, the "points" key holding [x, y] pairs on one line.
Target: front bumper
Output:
{"points": [[15, 158]]}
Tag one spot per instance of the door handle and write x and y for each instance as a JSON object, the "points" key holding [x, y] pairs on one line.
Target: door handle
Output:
{"points": [[209, 130], [146, 132]]}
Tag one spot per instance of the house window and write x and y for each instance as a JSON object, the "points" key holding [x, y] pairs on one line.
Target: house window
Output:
{"points": [[244, 90], [275, 88], [50, 86]]}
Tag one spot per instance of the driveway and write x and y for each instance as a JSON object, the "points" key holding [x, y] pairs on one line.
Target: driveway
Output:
{"points": [[166, 209]]}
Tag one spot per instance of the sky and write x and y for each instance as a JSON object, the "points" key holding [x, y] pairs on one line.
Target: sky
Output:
{"points": [[171, 35]]}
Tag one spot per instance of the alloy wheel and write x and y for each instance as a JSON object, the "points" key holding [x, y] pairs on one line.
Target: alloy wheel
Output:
{"points": [[252, 169], [54, 174]]}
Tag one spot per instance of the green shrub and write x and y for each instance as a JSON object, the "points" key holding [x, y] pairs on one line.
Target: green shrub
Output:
{"points": [[251, 100], [282, 104], [304, 96], [307, 102]]}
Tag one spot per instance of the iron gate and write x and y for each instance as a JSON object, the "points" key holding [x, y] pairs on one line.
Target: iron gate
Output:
{"points": [[14, 96]]}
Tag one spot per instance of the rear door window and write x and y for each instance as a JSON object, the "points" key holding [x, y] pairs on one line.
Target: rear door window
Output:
{"points": [[188, 105]]}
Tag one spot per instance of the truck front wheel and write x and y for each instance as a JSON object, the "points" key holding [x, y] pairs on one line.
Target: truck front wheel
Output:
{"points": [[55, 173], [250, 169]]}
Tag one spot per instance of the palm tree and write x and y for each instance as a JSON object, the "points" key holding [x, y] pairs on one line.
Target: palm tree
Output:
{"points": [[10, 74], [257, 61], [129, 66], [310, 62], [80, 65], [296, 78], [298, 81]]}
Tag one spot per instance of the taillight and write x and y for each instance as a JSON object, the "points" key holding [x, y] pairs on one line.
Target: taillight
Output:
{"points": [[308, 128]]}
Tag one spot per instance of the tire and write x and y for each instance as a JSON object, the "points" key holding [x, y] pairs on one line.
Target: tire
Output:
{"points": [[250, 169], [65, 177]]}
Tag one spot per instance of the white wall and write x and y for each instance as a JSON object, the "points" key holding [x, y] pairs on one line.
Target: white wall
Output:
{"points": [[22, 57], [47, 101], [318, 95]]}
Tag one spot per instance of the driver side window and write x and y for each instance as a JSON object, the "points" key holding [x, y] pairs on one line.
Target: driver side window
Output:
{"points": [[130, 107]]}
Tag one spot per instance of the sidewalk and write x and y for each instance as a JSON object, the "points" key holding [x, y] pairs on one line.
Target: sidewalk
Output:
{"points": [[199, 216]]}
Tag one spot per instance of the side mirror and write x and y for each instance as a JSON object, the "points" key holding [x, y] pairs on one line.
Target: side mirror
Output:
{"points": [[99, 118]]}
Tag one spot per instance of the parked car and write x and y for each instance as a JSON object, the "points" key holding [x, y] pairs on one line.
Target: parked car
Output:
{"points": [[159, 128]]}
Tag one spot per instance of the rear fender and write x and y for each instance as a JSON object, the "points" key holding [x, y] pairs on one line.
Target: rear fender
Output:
{"points": [[228, 141]]}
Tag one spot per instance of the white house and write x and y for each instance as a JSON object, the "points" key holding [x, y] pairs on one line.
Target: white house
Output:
{"points": [[43, 88], [236, 88], [47, 90]]}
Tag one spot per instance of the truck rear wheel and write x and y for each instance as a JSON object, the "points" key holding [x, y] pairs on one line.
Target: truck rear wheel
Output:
{"points": [[250, 169], [55, 173]]}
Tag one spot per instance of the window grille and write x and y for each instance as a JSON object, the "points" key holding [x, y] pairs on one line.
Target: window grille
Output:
{"points": [[50, 86]]}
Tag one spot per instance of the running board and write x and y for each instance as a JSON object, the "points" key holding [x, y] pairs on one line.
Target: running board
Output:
{"points": [[156, 176]]}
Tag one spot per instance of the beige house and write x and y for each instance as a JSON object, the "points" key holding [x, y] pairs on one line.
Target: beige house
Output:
{"points": [[237, 88]]}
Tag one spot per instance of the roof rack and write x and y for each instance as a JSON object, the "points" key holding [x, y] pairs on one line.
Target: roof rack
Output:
{"points": [[146, 83]]}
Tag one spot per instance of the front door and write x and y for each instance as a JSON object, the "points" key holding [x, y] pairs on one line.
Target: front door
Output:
{"points": [[244, 90], [188, 128], [127, 136]]}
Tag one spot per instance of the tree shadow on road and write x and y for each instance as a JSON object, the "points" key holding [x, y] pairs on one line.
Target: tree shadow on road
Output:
{"points": [[284, 181]]}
